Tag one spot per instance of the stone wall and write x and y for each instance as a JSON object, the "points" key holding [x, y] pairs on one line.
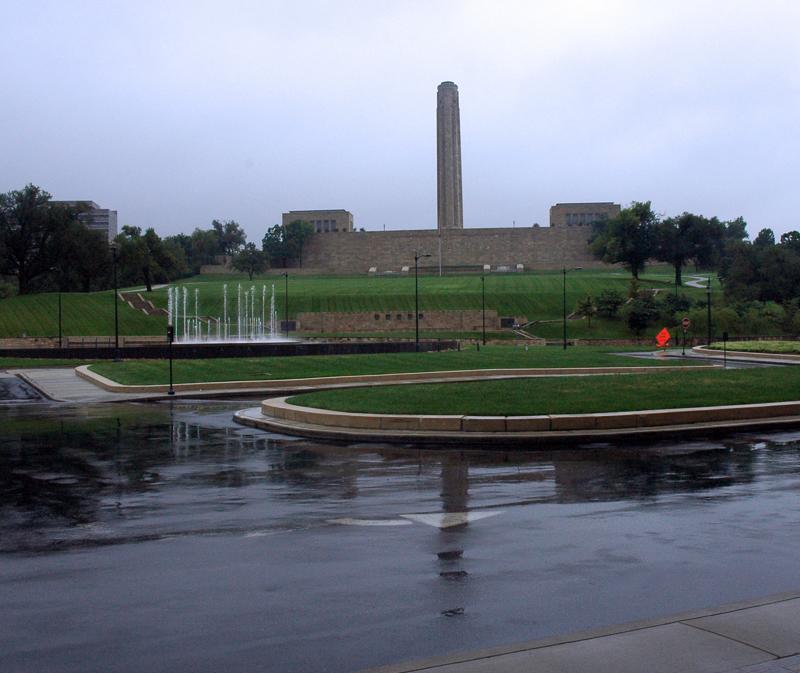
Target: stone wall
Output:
{"points": [[536, 248], [394, 321]]}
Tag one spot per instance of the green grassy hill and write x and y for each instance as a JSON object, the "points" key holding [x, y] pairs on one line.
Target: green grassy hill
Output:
{"points": [[90, 314], [535, 295]]}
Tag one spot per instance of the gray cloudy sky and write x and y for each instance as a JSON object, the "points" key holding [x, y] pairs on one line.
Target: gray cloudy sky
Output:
{"points": [[175, 113]]}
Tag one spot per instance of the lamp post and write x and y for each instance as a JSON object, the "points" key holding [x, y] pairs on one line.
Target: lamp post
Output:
{"points": [[170, 339], [117, 357], [564, 271], [417, 256], [483, 307], [286, 302], [708, 308]]}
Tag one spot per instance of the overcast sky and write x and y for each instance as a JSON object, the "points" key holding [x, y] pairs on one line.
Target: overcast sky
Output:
{"points": [[176, 113]]}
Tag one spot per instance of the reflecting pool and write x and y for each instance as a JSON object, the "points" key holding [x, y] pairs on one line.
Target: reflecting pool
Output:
{"points": [[164, 537]]}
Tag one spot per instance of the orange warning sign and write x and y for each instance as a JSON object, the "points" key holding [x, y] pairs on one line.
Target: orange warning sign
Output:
{"points": [[663, 337]]}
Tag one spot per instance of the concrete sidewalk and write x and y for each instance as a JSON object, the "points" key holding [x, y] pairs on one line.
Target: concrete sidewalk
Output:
{"points": [[63, 385], [755, 637]]}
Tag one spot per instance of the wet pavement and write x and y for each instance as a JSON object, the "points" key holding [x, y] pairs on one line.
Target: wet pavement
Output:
{"points": [[163, 537], [14, 390]]}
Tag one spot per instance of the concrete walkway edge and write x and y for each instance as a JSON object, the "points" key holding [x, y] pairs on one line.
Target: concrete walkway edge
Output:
{"points": [[731, 637]]}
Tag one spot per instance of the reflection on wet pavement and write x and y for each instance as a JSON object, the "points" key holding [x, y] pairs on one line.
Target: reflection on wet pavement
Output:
{"points": [[15, 390], [165, 537]]}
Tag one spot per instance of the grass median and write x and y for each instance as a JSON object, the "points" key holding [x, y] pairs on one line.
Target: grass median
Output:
{"points": [[568, 394], [152, 372], [777, 347]]}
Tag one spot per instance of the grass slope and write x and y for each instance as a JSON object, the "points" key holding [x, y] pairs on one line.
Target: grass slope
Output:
{"points": [[538, 296], [90, 314], [569, 395], [138, 372]]}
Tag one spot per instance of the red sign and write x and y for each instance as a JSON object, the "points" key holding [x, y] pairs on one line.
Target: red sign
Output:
{"points": [[685, 324], [663, 337]]}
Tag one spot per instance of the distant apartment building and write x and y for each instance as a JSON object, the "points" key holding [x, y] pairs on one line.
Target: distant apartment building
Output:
{"points": [[324, 221], [581, 214], [96, 218]]}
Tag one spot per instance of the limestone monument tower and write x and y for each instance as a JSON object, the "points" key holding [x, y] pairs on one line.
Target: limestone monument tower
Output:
{"points": [[448, 157]]}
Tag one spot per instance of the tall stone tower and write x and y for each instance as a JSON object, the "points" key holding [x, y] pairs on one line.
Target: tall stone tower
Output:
{"points": [[448, 157]]}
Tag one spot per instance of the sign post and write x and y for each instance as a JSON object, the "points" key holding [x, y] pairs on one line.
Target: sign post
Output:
{"points": [[685, 325]]}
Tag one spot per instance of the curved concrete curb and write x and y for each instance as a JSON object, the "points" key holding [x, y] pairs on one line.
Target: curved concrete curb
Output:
{"points": [[280, 416], [760, 357], [315, 383]]}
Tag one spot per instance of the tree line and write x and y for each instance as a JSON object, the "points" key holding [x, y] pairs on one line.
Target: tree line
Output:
{"points": [[44, 246], [760, 279]]}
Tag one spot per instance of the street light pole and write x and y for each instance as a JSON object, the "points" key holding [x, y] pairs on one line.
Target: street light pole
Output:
{"points": [[708, 307], [564, 285], [417, 257], [564, 272], [117, 357], [170, 339], [483, 307], [286, 302]]}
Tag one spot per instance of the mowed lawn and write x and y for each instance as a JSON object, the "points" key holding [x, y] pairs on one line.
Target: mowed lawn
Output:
{"points": [[569, 395], [83, 314], [143, 372], [537, 296]]}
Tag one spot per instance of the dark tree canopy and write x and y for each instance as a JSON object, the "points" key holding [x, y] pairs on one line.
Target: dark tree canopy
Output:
{"points": [[29, 225], [628, 238], [230, 237], [284, 244]]}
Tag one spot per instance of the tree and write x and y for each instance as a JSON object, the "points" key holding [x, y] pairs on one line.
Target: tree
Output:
{"points": [[28, 224], [627, 238], [144, 258], [284, 244], [671, 242], [791, 239], [205, 244], [609, 302], [765, 238], [251, 260], [586, 309], [81, 257], [640, 313], [230, 236]]}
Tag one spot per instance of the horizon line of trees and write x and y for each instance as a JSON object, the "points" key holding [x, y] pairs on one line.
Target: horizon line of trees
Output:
{"points": [[45, 246]]}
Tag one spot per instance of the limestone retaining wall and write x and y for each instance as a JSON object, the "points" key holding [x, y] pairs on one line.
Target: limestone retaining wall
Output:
{"points": [[534, 247]]}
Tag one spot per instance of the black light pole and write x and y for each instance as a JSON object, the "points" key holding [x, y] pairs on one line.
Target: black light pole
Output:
{"points": [[286, 302], [117, 357], [564, 271], [170, 339], [483, 307], [417, 257], [59, 320], [708, 306]]}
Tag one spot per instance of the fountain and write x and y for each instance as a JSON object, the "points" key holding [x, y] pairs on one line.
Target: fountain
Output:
{"points": [[248, 324]]}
